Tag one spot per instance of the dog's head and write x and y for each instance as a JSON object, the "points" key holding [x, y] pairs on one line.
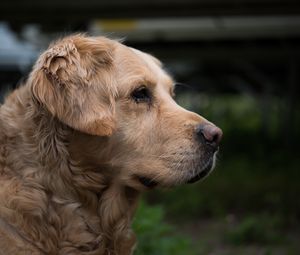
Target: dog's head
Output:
{"points": [[122, 99]]}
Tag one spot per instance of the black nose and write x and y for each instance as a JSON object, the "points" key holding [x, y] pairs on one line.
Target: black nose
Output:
{"points": [[209, 134]]}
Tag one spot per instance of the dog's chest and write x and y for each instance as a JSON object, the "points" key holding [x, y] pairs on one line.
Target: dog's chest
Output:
{"points": [[79, 230]]}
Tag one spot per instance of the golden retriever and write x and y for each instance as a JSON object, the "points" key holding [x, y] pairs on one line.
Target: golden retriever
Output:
{"points": [[94, 125]]}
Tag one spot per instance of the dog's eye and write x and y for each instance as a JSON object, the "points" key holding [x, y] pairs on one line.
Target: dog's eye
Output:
{"points": [[141, 94]]}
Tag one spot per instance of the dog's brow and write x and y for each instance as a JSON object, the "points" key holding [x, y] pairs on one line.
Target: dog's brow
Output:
{"points": [[150, 83]]}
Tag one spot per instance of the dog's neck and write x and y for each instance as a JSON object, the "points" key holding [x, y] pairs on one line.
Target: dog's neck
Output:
{"points": [[59, 160]]}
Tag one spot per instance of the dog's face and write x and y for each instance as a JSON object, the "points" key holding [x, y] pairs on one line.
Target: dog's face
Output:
{"points": [[164, 143], [123, 96]]}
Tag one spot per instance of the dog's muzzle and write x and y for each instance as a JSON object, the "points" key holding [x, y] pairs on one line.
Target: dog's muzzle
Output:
{"points": [[204, 172]]}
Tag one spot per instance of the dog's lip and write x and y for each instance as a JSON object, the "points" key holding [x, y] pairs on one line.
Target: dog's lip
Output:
{"points": [[204, 172], [147, 182]]}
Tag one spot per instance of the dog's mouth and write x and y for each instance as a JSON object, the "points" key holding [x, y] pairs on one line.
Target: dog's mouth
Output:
{"points": [[205, 169], [147, 182], [203, 173]]}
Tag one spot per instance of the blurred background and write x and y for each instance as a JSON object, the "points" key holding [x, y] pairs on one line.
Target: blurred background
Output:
{"points": [[239, 61]]}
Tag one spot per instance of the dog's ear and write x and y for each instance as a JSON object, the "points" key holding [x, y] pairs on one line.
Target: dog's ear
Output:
{"points": [[72, 79]]}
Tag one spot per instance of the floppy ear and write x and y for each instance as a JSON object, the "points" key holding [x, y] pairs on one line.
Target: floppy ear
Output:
{"points": [[72, 80]]}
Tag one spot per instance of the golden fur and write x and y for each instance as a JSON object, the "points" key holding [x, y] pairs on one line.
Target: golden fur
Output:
{"points": [[74, 144]]}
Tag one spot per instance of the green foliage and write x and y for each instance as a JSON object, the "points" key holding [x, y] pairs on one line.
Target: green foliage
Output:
{"points": [[155, 236], [259, 229]]}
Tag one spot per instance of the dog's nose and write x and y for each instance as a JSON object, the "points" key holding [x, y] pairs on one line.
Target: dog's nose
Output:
{"points": [[209, 134]]}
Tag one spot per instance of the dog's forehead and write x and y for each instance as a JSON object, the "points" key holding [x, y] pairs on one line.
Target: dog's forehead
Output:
{"points": [[140, 63], [147, 57], [152, 63], [164, 79]]}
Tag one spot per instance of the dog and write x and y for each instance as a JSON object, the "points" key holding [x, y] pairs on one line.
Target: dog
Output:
{"points": [[94, 125]]}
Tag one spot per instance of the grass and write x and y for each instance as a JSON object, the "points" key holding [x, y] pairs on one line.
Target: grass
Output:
{"points": [[157, 237], [255, 229]]}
